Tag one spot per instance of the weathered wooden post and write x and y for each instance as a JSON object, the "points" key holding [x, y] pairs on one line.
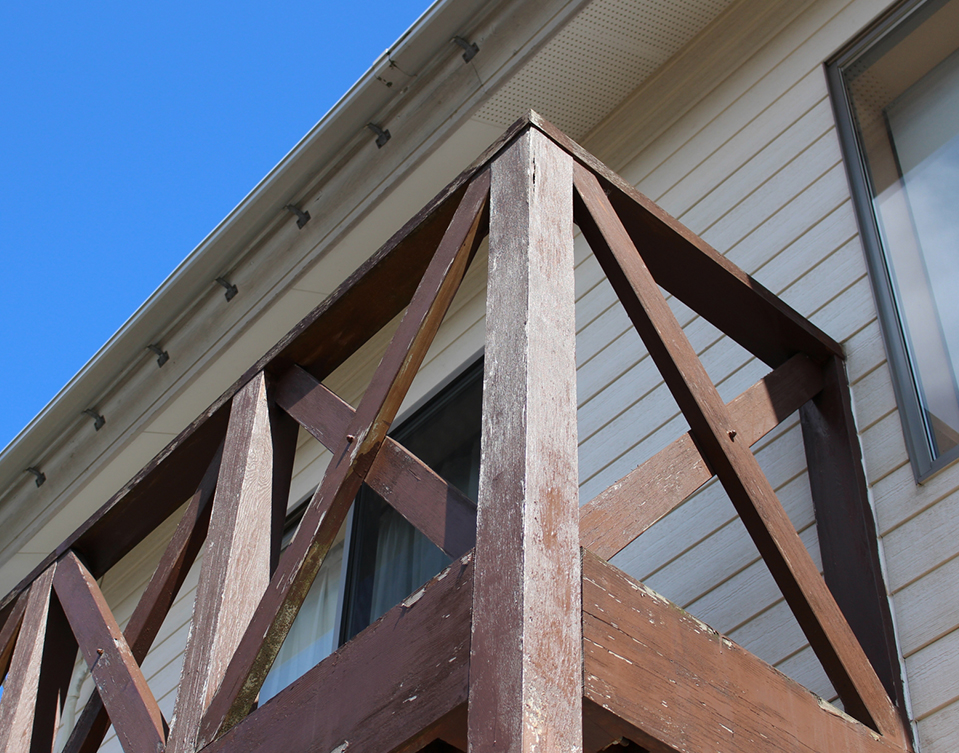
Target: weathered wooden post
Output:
{"points": [[526, 653]]}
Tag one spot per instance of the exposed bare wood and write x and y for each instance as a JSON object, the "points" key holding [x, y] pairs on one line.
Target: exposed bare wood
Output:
{"points": [[56, 669], [734, 464], [236, 560], [847, 532], [9, 633], [616, 516], [438, 509], [525, 666], [401, 675], [700, 276], [350, 464], [153, 606], [132, 708], [683, 687], [18, 705]]}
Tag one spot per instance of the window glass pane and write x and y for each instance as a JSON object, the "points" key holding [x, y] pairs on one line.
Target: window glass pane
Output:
{"points": [[389, 558], [904, 94], [315, 631]]}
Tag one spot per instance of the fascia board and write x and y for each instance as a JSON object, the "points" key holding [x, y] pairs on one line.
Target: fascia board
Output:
{"points": [[214, 256]]}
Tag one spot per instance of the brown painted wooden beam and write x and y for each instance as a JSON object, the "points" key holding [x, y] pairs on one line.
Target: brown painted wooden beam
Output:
{"points": [[366, 301], [236, 560], [684, 687], [18, 705], [445, 515], [734, 464], [120, 683], [700, 276], [9, 633], [525, 666], [403, 674], [141, 630], [349, 466], [848, 540], [619, 514]]}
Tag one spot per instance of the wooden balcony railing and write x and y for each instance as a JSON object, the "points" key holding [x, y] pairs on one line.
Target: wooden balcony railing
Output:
{"points": [[530, 640]]}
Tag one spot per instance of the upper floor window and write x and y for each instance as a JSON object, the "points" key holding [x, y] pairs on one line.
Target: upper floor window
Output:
{"points": [[896, 93], [379, 558]]}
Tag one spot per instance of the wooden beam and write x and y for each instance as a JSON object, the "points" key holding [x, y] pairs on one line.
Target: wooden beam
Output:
{"points": [[56, 671], [366, 301], [120, 683], [700, 276], [445, 515], [848, 539], [401, 675], [525, 666], [617, 516], [18, 705], [350, 465], [683, 687], [92, 724], [734, 464], [236, 561], [9, 633]]}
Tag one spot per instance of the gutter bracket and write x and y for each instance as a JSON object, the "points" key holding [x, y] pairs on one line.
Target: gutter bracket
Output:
{"points": [[301, 219], [162, 355], [381, 136], [469, 48], [98, 420], [38, 473], [231, 289]]}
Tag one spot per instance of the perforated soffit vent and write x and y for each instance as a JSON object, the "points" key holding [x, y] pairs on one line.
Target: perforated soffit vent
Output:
{"points": [[602, 55]]}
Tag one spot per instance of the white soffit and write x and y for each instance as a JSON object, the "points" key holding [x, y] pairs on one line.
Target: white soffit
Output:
{"points": [[601, 56]]}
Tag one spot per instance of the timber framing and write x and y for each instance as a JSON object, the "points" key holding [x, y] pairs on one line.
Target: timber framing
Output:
{"points": [[530, 640]]}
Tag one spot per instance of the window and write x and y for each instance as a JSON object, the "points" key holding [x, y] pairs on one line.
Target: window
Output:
{"points": [[896, 94], [380, 559]]}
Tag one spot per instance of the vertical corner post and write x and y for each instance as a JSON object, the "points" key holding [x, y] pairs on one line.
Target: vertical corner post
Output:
{"points": [[848, 538], [236, 559], [526, 652]]}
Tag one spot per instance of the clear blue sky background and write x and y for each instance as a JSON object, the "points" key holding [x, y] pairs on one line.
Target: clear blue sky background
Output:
{"points": [[128, 131]]}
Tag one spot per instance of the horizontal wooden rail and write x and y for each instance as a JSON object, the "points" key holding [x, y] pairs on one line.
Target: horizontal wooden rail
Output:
{"points": [[410, 669], [445, 515], [616, 516], [684, 687]]}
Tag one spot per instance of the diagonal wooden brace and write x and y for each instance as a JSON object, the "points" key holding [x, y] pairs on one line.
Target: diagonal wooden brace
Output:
{"points": [[748, 488], [141, 630], [445, 515], [349, 467], [616, 516], [120, 683]]}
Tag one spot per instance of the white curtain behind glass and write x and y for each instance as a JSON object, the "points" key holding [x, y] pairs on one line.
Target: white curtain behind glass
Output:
{"points": [[405, 560], [924, 125], [314, 634]]}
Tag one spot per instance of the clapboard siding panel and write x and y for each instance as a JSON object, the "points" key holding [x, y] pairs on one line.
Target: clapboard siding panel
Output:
{"points": [[722, 607], [937, 732], [805, 669], [899, 499], [709, 510], [934, 671], [924, 543], [923, 617]]}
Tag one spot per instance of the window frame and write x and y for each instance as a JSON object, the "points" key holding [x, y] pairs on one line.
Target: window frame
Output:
{"points": [[907, 391]]}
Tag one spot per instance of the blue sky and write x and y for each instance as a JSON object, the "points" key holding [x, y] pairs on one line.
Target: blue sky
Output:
{"points": [[128, 131]]}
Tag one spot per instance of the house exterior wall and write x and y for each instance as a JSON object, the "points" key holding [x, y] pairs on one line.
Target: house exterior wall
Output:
{"points": [[736, 137]]}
